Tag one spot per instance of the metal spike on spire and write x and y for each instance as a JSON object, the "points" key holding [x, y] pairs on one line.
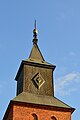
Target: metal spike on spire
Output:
{"points": [[35, 24], [35, 32]]}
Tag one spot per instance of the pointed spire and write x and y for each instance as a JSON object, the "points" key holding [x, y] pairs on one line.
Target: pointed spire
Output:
{"points": [[35, 32], [35, 52]]}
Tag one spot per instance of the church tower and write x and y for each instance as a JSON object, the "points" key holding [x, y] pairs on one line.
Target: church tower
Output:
{"points": [[35, 98]]}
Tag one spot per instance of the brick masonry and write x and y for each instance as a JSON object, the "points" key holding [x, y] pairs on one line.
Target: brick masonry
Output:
{"points": [[23, 111]]}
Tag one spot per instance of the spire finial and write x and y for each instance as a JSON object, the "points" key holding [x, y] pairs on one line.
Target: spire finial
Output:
{"points": [[35, 24], [35, 32]]}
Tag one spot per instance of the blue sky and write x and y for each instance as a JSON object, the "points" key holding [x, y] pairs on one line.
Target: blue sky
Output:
{"points": [[58, 23]]}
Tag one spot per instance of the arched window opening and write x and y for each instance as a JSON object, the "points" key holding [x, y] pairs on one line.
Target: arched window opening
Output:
{"points": [[53, 118], [35, 116]]}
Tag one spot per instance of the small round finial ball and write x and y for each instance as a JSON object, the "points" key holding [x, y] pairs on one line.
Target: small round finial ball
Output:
{"points": [[35, 31]]}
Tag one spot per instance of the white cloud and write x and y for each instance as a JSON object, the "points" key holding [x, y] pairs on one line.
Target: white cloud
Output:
{"points": [[64, 85], [72, 54], [67, 92]]}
